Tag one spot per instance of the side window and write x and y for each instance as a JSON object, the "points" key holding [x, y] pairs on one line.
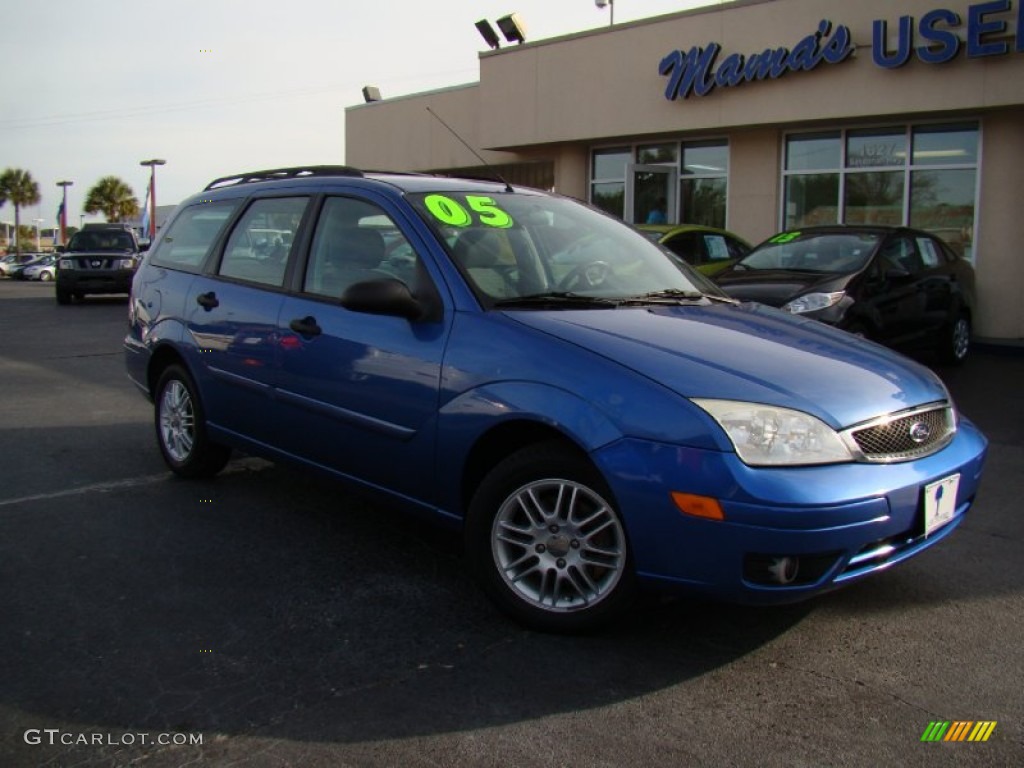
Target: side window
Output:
{"points": [[930, 252], [902, 253], [258, 248], [737, 250], [356, 241], [191, 235], [687, 247]]}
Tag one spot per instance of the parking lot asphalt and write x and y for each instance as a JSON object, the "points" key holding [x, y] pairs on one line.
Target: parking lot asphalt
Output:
{"points": [[285, 622]]}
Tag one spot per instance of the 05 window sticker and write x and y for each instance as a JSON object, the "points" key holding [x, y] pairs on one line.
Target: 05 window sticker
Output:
{"points": [[484, 209], [785, 237]]}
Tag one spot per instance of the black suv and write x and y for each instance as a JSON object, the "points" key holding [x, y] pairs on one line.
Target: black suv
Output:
{"points": [[101, 258]]}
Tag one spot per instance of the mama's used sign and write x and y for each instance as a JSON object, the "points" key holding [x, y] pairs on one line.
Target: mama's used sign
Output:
{"points": [[698, 70]]}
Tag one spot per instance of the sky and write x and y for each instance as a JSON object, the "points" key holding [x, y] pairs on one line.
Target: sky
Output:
{"points": [[217, 87]]}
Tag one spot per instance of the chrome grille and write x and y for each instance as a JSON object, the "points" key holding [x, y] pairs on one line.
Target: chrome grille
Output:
{"points": [[93, 262], [906, 435]]}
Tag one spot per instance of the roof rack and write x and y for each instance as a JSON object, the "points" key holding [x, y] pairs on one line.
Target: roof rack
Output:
{"points": [[284, 173]]}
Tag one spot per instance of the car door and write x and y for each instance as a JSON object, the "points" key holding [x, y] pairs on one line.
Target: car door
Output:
{"points": [[936, 283], [361, 390], [231, 313], [892, 289]]}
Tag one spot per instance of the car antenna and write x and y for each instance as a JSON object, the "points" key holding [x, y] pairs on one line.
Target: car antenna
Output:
{"points": [[508, 187]]}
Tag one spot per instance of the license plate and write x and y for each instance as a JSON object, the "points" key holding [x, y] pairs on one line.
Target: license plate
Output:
{"points": [[940, 503]]}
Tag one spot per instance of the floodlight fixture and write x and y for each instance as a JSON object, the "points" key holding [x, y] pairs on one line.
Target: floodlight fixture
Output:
{"points": [[512, 28], [371, 93], [488, 34]]}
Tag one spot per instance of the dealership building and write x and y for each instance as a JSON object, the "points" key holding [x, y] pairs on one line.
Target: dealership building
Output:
{"points": [[757, 116]]}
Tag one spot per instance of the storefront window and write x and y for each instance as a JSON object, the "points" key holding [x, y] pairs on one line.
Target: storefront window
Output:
{"points": [[873, 198], [946, 145], [691, 185], [657, 153], [863, 176], [942, 202], [876, 149], [811, 198], [608, 179], [609, 197], [813, 152], [703, 201], [703, 187], [706, 158]]}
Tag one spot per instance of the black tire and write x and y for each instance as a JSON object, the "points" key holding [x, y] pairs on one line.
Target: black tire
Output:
{"points": [[564, 565], [63, 297], [955, 341], [181, 427]]}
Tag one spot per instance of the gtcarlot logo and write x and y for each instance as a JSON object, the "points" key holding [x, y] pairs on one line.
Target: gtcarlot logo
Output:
{"points": [[55, 736]]}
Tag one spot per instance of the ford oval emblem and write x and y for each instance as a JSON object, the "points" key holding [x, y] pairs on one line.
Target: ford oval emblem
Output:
{"points": [[919, 432]]}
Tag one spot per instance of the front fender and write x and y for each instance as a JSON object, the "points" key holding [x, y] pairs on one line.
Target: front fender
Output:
{"points": [[466, 419]]}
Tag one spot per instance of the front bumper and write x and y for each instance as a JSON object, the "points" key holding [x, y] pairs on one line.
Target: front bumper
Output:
{"points": [[838, 522], [95, 281]]}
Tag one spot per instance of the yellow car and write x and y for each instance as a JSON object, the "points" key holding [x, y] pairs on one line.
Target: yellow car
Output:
{"points": [[707, 249]]}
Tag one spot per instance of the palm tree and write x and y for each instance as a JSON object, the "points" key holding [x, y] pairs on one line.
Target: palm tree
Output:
{"points": [[18, 187], [114, 198]]}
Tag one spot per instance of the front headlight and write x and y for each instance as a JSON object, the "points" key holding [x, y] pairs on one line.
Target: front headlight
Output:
{"points": [[124, 264], [66, 264], [812, 302], [765, 435]]}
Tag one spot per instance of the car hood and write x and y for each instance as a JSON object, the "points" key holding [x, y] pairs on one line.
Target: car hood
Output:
{"points": [[777, 286], [99, 254], [752, 353]]}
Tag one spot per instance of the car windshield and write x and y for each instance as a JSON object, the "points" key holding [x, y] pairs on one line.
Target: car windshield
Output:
{"points": [[834, 253], [114, 240], [514, 247]]}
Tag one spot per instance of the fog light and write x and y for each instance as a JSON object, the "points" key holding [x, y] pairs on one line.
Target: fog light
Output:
{"points": [[784, 570]]}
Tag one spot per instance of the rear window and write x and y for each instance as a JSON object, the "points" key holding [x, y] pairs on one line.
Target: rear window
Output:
{"points": [[192, 234]]}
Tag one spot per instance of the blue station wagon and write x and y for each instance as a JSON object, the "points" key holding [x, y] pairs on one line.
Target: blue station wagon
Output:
{"points": [[593, 415]]}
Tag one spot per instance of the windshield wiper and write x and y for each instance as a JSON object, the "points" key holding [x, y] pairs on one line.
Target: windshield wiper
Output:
{"points": [[557, 298], [667, 296]]}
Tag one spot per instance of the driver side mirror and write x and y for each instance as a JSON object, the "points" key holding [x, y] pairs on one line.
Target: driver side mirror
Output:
{"points": [[387, 296]]}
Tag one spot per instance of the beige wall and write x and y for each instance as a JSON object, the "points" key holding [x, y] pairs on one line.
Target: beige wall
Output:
{"points": [[401, 135], [999, 228], [606, 84], [754, 172]]}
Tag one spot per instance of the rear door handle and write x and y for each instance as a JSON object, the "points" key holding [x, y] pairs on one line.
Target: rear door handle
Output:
{"points": [[207, 300], [305, 326]]}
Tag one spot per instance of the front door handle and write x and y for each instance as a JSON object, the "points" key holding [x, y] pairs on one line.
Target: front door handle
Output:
{"points": [[207, 300], [305, 326]]}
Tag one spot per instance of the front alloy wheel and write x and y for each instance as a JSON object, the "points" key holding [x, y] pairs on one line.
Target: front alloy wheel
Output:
{"points": [[548, 545]]}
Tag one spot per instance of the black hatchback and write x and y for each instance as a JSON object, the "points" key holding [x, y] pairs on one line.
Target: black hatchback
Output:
{"points": [[898, 286]]}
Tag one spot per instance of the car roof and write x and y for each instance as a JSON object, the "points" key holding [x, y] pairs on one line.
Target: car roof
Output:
{"points": [[839, 229], [673, 229], [324, 176]]}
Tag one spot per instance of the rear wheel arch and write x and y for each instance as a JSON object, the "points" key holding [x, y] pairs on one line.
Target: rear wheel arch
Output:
{"points": [[163, 357]]}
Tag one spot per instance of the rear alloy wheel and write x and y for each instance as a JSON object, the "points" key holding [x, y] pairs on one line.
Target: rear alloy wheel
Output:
{"points": [[46, 276], [956, 340], [181, 428], [547, 544]]}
